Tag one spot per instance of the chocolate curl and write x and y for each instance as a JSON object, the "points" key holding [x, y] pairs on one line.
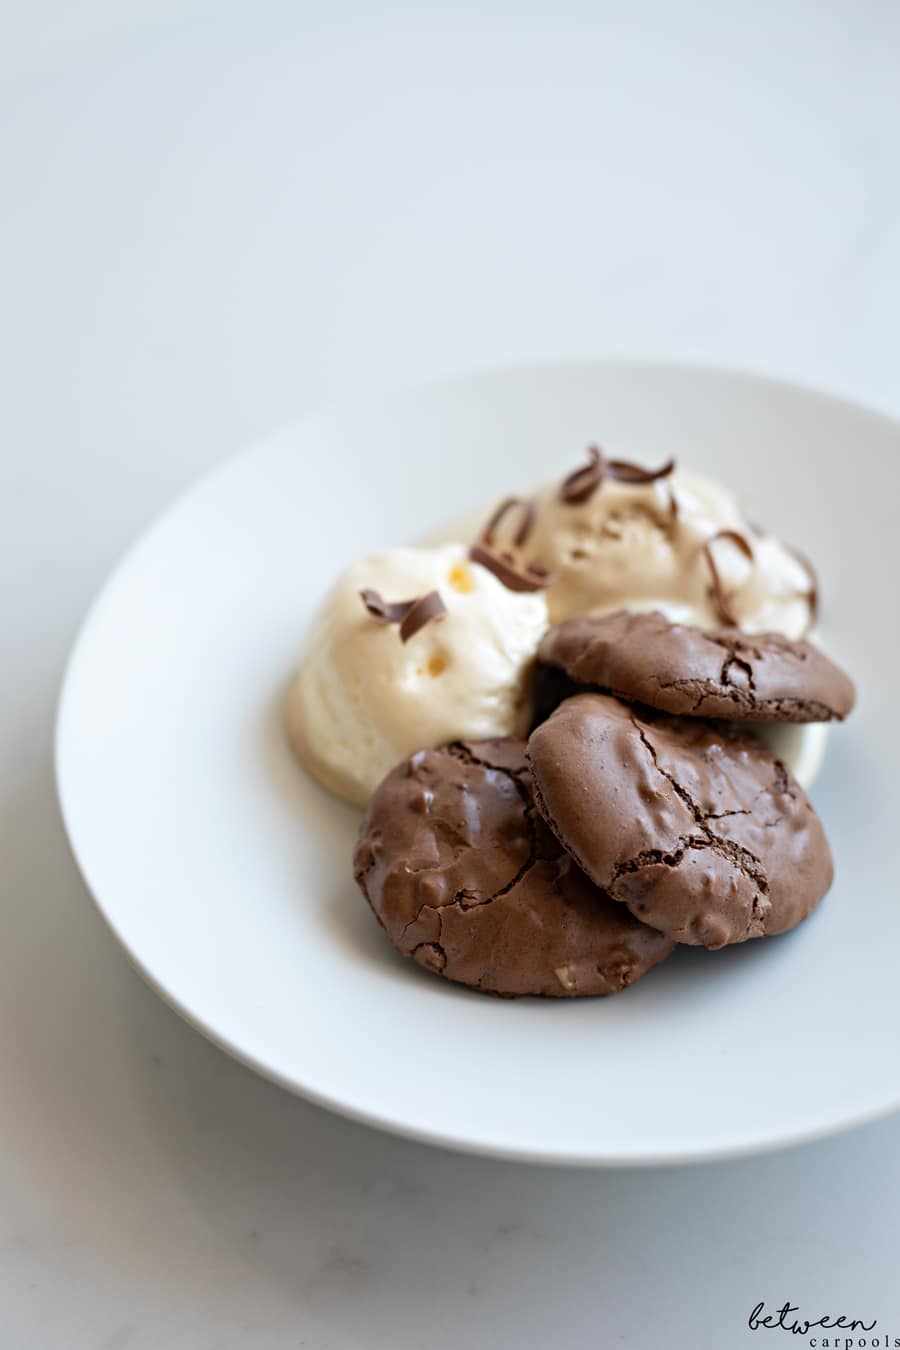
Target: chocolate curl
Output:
{"points": [[525, 525], [531, 578], [380, 609], [581, 485], [420, 612], [624, 471], [814, 595], [412, 615], [723, 601]]}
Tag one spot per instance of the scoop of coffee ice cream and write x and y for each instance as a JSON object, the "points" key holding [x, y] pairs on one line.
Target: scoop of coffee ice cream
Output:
{"points": [[364, 698], [679, 543]]}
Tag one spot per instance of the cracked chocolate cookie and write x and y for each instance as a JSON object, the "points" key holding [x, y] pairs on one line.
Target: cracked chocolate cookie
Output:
{"points": [[694, 826], [645, 658], [464, 876]]}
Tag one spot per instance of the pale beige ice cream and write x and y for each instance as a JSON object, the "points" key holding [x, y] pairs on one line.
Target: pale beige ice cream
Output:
{"points": [[363, 700], [626, 546]]}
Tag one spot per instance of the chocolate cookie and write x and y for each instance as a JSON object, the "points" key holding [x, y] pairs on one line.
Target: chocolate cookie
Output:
{"points": [[464, 876], [697, 828], [645, 658]]}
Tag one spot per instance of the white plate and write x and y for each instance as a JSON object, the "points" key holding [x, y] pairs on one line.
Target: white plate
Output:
{"points": [[225, 873]]}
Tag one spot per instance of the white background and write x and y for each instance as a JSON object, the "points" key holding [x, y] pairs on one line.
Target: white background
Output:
{"points": [[214, 216]]}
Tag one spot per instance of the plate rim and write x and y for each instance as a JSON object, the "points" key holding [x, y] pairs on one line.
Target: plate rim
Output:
{"points": [[374, 392]]}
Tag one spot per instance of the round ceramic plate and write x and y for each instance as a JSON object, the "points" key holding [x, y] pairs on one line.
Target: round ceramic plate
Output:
{"points": [[225, 872]]}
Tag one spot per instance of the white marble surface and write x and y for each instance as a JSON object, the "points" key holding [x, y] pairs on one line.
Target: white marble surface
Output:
{"points": [[213, 217]]}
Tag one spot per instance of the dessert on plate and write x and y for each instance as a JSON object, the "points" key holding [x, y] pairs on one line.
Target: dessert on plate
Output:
{"points": [[552, 726]]}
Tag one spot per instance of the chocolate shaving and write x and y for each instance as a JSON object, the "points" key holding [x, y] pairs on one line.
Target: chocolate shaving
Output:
{"points": [[583, 483], [623, 471], [673, 508], [525, 525], [532, 578], [412, 615], [814, 595], [723, 601], [381, 609], [422, 611]]}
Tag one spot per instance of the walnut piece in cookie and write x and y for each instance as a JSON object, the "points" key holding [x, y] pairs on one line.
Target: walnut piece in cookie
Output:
{"points": [[464, 876]]}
